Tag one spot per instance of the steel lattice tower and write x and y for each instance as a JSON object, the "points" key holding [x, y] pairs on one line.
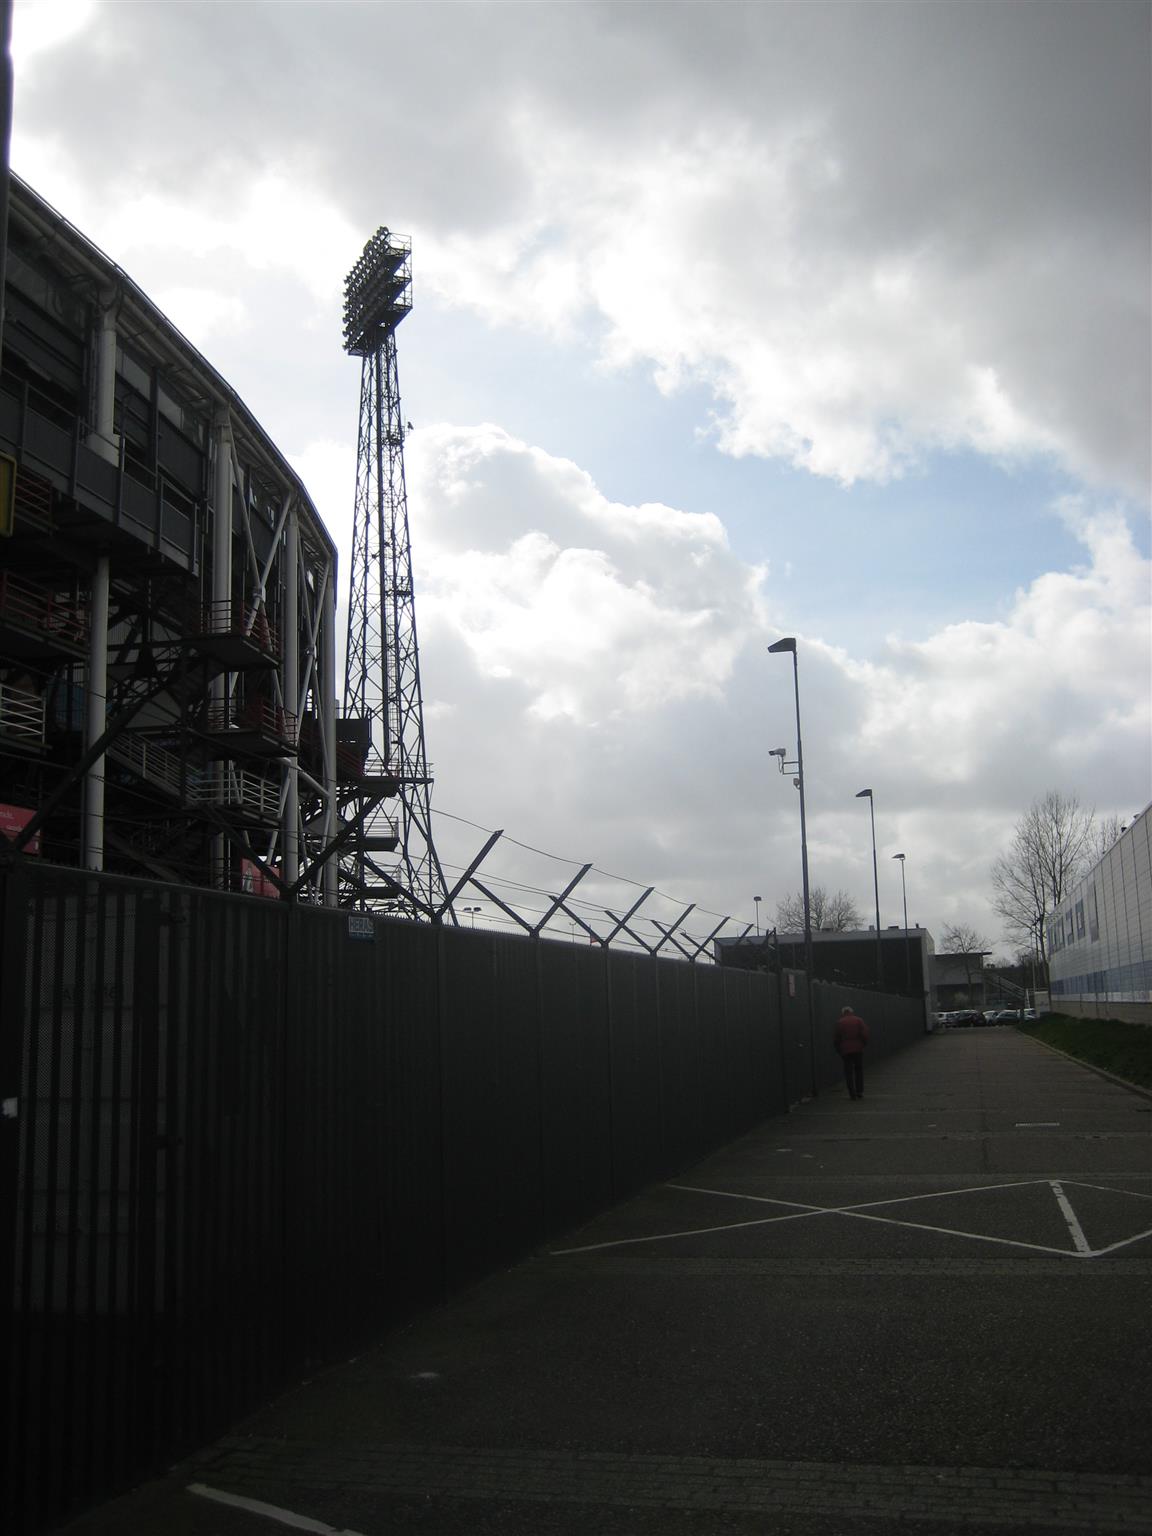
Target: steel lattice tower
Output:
{"points": [[382, 667]]}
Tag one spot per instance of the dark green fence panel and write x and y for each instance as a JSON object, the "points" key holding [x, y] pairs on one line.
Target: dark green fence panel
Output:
{"points": [[518, 1200], [752, 1058], [634, 1015], [678, 1065], [714, 1113], [405, 1009], [798, 1059], [575, 1084], [491, 1101], [335, 1080], [244, 1133]]}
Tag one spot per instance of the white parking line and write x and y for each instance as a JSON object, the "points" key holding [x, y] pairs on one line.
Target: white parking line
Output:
{"points": [[728, 1226], [862, 1211], [1080, 1242], [268, 1511], [866, 1205], [1125, 1242]]}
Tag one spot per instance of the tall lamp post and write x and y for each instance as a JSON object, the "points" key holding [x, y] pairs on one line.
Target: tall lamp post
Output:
{"points": [[866, 794], [789, 644], [756, 899], [907, 940]]}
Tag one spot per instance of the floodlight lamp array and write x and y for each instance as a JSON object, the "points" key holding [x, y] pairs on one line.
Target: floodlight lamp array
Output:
{"points": [[377, 292]]}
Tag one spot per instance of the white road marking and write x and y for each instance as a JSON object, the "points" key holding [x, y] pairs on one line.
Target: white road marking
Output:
{"points": [[866, 1205], [1107, 1189], [975, 1237], [1081, 1243], [268, 1511], [798, 1211], [1123, 1243], [666, 1237], [1024, 1125]]}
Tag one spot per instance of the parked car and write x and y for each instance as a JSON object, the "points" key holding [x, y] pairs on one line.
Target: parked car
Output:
{"points": [[966, 1017], [1005, 1016]]}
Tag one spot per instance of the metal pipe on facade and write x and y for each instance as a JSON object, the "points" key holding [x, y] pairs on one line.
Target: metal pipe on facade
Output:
{"points": [[327, 659], [102, 438], [97, 715], [222, 527], [291, 664], [219, 619]]}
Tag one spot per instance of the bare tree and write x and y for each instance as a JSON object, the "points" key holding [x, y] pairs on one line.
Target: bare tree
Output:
{"points": [[835, 913], [1105, 833], [960, 939], [1051, 847]]}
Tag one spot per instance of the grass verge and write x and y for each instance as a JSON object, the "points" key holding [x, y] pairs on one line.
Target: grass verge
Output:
{"points": [[1125, 1049]]}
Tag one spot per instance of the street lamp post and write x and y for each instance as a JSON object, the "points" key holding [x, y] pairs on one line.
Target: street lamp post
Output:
{"points": [[472, 911], [866, 794], [756, 899], [789, 644], [907, 940], [985, 954]]}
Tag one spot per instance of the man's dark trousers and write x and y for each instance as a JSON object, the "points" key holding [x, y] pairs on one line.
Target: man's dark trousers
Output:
{"points": [[854, 1073]]}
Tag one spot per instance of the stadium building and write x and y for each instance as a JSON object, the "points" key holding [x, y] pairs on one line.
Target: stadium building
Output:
{"points": [[167, 597], [1100, 938]]}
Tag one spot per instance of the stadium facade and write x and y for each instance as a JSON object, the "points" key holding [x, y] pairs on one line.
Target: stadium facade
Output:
{"points": [[1100, 937], [168, 650]]}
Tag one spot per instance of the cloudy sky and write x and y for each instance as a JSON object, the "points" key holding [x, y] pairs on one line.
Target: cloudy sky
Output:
{"points": [[731, 321]]}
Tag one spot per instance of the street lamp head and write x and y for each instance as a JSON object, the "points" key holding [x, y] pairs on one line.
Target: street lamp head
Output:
{"points": [[778, 752], [862, 794], [899, 856], [787, 644]]}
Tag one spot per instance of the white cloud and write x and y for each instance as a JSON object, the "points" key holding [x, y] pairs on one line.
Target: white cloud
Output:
{"points": [[628, 686], [41, 25], [807, 209], [597, 608], [205, 313]]}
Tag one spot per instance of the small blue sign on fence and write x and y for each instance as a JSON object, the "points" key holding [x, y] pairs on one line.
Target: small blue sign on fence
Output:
{"points": [[361, 926]]}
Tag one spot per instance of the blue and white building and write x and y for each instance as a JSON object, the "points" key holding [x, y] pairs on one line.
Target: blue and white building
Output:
{"points": [[1100, 938]]}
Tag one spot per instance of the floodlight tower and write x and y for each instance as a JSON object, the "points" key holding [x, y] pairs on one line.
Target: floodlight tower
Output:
{"points": [[382, 666]]}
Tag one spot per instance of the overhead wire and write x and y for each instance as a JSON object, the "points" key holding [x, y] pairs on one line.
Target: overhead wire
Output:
{"points": [[576, 863]]}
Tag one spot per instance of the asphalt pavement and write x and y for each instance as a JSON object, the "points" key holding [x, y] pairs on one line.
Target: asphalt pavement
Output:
{"points": [[924, 1312]]}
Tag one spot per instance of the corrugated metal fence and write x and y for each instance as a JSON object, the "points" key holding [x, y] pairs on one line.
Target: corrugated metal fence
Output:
{"points": [[238, 1137]]}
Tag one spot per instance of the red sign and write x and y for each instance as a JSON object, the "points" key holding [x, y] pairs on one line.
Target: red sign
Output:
{"points": [[13, 820], [254, 881]]}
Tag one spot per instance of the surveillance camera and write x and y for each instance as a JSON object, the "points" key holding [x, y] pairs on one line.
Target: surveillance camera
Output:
{"points": [[796, 782]]}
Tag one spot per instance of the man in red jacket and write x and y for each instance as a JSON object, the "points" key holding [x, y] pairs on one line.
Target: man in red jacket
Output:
{"points": [[850, 1039]]}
